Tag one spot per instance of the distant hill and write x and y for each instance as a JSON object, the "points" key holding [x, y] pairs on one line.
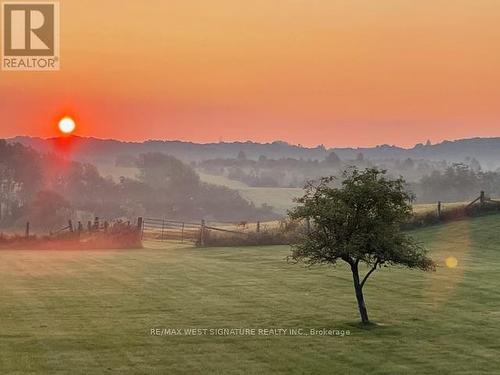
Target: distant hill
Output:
{"points": [[485, 150], [105, 149]]}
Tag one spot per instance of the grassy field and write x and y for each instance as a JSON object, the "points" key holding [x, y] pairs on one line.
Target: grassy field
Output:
{"points": [[281, 199], [221, 180], [117, 172], [432, 207], [91, 312]]}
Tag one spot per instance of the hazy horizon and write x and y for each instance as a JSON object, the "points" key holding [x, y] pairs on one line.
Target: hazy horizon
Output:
{"points": [[249, 140]]}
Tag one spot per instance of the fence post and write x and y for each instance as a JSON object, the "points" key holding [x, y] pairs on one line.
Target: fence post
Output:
{"points": [[70, 226], [439, 209], [27, 229], [202, 233], [258, 226], [140, 226], [481, 198]]}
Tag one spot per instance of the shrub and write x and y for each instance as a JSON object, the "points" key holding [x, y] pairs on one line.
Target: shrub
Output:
{"points": [[286, 234], [452, 214]]}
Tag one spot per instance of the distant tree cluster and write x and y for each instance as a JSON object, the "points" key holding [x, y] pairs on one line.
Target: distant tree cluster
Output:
{"points": [[176, 190], [458, 182], [429, 180], [291, 172], [283, 172]]}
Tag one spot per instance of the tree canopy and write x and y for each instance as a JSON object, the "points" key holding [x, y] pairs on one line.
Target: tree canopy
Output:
{"points": [[358, 222]]}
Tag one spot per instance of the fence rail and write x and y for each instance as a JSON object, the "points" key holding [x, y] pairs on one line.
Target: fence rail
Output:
{"points": [[156, 229], [170, 230]]}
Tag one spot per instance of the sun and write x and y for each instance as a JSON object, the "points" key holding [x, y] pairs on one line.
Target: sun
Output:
{"points": [[67, 125]]}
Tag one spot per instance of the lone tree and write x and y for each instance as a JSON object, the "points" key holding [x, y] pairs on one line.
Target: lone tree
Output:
{"points": [[358, 222]]}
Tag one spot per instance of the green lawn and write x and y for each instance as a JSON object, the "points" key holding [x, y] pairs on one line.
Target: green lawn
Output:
{"points": [[91, 312]]}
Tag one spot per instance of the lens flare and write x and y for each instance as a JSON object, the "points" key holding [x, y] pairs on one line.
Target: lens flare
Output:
{"points": [[67, 125], [451, 262]]}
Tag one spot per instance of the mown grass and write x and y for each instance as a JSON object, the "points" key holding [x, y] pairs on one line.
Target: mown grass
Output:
{"points": [[91, 312]]}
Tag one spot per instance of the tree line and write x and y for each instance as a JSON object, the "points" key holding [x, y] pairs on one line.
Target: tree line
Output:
{"points": [[457, 183], [48, 189]]}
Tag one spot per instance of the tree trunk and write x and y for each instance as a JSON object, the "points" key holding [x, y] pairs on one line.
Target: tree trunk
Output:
{"points": [[359, 294]]}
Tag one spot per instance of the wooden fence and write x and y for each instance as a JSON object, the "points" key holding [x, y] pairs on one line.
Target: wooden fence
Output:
{"points": [[155, 229], [477, 207]]}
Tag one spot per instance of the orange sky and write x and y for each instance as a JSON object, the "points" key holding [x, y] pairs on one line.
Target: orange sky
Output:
{"points": [[340, 73]]}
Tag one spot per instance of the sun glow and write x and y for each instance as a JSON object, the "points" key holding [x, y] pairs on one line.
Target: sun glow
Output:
{"points": [[67, 125]]}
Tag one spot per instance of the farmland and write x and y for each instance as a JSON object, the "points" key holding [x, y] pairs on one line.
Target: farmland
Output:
{"points": [[93, 311], [281, 199]]}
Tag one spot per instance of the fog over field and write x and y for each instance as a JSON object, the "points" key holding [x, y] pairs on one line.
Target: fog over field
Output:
{"points": [[255, 181]]}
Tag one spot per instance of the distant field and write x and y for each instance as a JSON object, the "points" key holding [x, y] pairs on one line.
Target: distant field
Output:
{"points": [[221, 180], [422, 208], [281, 199], [91, 312], [116, 172]]}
